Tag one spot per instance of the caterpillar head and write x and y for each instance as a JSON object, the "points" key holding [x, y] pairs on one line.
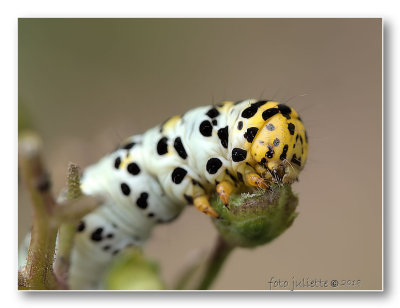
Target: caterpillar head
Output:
{"points": [[280, 147]]}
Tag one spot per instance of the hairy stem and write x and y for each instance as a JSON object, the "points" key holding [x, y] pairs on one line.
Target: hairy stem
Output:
{"points": [[38, 272], [48, 216], [67, 230]]}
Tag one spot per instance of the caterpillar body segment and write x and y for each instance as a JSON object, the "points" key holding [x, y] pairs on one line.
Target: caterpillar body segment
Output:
{"points": [[183, 161]]}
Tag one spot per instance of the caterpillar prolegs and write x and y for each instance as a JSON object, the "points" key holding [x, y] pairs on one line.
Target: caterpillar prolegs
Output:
{"points": [[153, 176]]}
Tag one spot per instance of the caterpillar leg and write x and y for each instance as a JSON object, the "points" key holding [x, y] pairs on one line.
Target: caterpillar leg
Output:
{"points": [[224, 190], [253, 179], [203, 205]]}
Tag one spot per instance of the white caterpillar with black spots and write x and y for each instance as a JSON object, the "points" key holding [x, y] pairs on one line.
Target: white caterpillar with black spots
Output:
{"points": [[153, 176]]}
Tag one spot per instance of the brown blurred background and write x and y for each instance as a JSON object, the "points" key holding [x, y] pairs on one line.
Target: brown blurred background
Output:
{"points": [[86, 84]]}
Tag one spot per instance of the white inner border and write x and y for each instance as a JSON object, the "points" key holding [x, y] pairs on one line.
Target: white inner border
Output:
{"points": [[10, 11]]}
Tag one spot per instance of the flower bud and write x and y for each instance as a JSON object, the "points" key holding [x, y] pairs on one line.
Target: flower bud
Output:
{"points": [[253, 219]]}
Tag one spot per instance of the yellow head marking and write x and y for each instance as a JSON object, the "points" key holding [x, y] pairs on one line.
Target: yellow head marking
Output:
{"points": [[277, 141]]}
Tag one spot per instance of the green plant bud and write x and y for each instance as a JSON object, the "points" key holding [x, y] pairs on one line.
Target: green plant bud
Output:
{"points": [[253, 219], [132, 271]]}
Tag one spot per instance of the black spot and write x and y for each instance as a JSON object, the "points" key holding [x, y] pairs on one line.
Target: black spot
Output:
{"points": [[150, 215], [133, 168], [240, 125], [117, 162], [259, 103], [223, 135], [238, 154], [270, 127], [125, 189], [240, 177], [214, 122], [270, 153], [284, 109], [141, 202], [189, 199], [299, 119], [178, 175], [213, 165], [110, 235], [81, 226], [206, 128], [301, 140], [269, 113], [230, 175], [96, 235], [250, 134], [212, 113], [128, 146], [179, 148], [291, 128], [107, 247], [263, 162], [276, 142], [284, 152], [115, 252], [294, 145], [296, 160], [252, 110], [249, 111], [162, 146]]}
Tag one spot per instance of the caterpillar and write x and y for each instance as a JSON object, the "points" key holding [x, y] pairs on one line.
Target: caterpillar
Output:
{"points": [[151, 177]]}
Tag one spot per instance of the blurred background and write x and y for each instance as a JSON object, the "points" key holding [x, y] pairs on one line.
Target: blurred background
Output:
{"points": [[86, 84]]}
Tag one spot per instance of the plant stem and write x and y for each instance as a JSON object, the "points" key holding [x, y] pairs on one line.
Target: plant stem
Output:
{"points": [[221, 251], [67, 229], [188, 273], [38, 272]]}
